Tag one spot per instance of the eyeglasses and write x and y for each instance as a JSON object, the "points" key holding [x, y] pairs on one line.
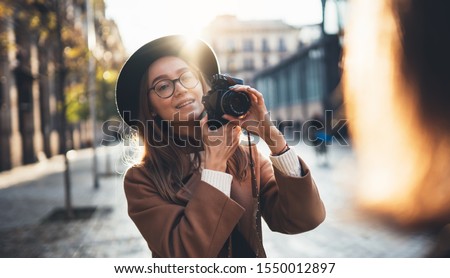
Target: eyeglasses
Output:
{"points": [[166, 87]]}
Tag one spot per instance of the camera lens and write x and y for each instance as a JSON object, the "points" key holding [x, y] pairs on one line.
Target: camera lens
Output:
{"points": [[234, 103]]}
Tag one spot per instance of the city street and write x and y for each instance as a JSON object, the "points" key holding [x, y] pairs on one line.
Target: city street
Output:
{"points": [[29, 195]]}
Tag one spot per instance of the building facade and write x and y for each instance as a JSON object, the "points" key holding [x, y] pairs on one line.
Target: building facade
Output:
{"points": [[245, 47], [301, 87], [306, 86]]}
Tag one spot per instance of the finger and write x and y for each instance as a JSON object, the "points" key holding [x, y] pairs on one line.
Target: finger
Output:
{"points": [[228, 127], [209, 136], [231, 128], [237, 130], [254, 98], [239, 88], [258, 96], [226, 135], [231, 119], [255, 95], [235, 136]]}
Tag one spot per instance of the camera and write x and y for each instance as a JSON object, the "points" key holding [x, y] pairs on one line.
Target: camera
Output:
{"points": [[220, 100]]}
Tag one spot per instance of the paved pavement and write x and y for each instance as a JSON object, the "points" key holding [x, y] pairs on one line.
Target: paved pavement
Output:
{"points": [[30, 195]]}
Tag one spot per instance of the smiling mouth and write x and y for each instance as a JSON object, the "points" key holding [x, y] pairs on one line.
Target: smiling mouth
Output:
{"points": [[183, 104]]}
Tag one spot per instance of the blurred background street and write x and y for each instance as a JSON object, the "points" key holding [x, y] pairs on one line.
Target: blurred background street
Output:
{"points": [[29, 195]]}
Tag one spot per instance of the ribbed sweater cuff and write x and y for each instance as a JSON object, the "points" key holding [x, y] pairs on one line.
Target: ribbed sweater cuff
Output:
{"points": [[219, 180], [287, 163]]}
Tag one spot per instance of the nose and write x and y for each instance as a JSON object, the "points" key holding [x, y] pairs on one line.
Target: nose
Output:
{"points": [[178, 88]]}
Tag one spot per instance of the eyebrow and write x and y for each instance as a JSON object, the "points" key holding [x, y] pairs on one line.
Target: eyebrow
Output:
{"points": [[165, 76]]}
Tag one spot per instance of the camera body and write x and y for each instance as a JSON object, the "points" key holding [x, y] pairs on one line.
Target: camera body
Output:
{"points": [[220, 100]]}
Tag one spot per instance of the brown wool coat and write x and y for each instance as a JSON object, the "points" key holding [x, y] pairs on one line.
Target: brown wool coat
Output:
{"points": [[202, 226]]}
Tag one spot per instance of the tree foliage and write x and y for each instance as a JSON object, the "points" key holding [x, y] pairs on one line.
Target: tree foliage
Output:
{"points": [[52, 25]]}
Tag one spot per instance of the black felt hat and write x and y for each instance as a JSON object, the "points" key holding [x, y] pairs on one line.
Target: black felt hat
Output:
{"points": [[194, 51]]}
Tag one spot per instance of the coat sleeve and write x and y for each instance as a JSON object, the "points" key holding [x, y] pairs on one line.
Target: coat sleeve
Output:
{"points": [[197, 229], [289, 204]]}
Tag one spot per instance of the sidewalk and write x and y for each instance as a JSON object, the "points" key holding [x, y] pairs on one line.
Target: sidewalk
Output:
{"points": [[30, 194]]}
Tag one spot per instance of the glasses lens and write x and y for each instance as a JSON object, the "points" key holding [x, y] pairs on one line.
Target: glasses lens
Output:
{"points": [[164, 88], [189, 80]]}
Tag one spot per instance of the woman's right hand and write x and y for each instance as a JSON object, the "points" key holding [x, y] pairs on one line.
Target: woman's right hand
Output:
{"points": [[219, 144]]}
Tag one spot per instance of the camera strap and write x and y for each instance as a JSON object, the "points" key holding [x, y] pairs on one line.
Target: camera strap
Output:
{"points": [[255, 192]]}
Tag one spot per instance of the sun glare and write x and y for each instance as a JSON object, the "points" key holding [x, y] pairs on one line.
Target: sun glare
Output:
{"points": [[141, 20]]}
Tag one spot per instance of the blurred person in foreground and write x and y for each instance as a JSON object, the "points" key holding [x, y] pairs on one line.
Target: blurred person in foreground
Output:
{"points": [[397, 90], [193, 193]]}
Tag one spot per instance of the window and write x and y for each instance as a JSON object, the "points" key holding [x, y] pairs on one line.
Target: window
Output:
{"points": [[247, 45], [265, 45], [231, 66], [281, 45], [249, 64], [230, 46], [265, 62]]}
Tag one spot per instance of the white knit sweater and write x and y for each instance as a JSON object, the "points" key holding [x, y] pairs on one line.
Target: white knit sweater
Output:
{"points": [[287, 163]]}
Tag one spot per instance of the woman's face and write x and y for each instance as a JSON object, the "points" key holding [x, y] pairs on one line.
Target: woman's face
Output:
{"points": [[185, 104]]}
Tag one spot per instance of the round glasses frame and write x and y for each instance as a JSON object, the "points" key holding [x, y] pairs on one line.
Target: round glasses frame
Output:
{"points": [[187, 79]]}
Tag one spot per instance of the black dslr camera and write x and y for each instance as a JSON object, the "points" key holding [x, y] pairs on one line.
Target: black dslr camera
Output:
{"points": [[220, 100]]}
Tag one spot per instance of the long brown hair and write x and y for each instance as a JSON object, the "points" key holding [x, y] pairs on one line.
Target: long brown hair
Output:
{"points": [[397, 91], [167, 161]]}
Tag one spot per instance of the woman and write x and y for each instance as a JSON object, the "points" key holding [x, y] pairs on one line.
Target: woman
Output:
{"points": [[192, 194]]}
